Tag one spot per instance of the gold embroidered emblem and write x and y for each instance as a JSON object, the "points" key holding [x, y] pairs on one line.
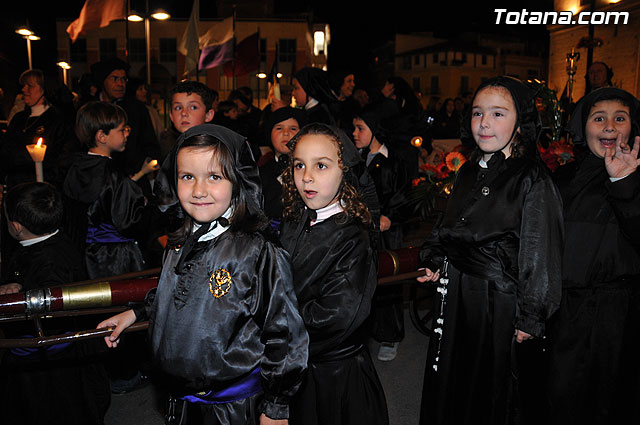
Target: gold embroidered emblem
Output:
{"points": [[222, 283], [40, 130]]}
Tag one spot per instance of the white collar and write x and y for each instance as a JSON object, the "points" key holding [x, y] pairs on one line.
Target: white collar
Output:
{"points": [[482, 163], [34, 241], [383, 150], [311, 102], [324, 213], [216, 231], [38, 110]]}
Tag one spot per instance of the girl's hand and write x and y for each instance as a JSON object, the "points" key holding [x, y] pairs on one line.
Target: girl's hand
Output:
{"points": [[385, 223], [622, 160], [121, 322], [429, 276], [522, 336], [265, 420]]}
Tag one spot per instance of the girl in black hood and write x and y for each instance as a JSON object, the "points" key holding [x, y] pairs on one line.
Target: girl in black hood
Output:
{"points": [[498, 251], [312, 92], [225, 331], [593, 337]]}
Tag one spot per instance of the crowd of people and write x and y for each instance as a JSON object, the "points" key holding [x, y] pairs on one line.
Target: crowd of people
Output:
{"points": [[267, 226]]}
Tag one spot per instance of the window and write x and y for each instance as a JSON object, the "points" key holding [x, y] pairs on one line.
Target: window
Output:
{"points": [[287, 49], [416, 84], [484, 59], [435, 58], [464, 84], [464, 58], [168, 49], [435, 84], [424, 64], [406, 62], [107, 48], [137, 50], [416, 60], [78, 50]]}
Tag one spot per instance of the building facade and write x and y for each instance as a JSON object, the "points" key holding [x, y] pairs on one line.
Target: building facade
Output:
{"points": [[450, 68], [295, 37], [616, 44]]}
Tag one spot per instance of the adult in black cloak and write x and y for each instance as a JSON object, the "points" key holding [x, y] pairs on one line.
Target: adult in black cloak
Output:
{"points": [[312, 92], [594, 374], [501, 238]]}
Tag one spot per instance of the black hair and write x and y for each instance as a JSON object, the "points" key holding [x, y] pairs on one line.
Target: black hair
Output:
{"points": [[95, 116], [226, 106], [207, 95], [35, 205], [238, 95]]}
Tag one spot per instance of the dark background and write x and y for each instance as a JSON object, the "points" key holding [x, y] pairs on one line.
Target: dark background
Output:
{"points": [[357, 27]]}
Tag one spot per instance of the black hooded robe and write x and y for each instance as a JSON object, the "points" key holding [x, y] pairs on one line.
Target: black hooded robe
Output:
{"points": [[111, 206], [502, 235], [335, 276]]}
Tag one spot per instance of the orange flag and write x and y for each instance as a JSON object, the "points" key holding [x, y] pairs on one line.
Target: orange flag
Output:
{"points": [[96, 14]]}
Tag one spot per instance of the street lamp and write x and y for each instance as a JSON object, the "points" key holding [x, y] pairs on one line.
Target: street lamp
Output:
{"points": [[65, 67], [160, 15], [28, 35]]}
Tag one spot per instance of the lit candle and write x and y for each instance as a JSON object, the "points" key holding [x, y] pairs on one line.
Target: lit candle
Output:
{"points": [[37, 151]]}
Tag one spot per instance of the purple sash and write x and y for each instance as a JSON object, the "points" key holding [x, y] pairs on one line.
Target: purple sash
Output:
{"points": [[105, 233], [245, 388], [30, 351]]}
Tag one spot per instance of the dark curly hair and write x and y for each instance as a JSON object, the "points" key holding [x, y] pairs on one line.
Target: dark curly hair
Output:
{"points": [[348, 195]]}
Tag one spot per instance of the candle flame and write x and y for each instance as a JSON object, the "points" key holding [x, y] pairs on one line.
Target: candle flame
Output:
{"points": [[154, 162], [39, 144]]}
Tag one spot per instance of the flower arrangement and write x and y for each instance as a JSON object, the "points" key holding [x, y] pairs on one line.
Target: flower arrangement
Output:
{"points": [[558, 153], [435, 182]]}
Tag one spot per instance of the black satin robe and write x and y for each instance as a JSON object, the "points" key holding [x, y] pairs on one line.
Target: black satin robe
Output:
{"points": [[502, 234], [97, 193], [594, 374], [200, 342], [335, 275]]}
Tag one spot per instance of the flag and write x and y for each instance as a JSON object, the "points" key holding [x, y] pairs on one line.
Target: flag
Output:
{"points": [[247, 57], [274, 84], [96, 14], [217, 45], [189, 44]]}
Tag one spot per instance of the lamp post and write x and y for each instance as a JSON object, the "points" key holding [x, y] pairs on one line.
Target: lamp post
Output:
{"points": [[28, 35], [65, 67], [160, 15]]}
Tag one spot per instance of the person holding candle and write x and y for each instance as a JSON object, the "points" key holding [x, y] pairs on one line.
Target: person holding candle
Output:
{"points": [[113, 203], [39, 120], [108, 211]]}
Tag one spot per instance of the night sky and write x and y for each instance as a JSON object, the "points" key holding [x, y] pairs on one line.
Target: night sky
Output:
{"points": [[356, 26]]}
